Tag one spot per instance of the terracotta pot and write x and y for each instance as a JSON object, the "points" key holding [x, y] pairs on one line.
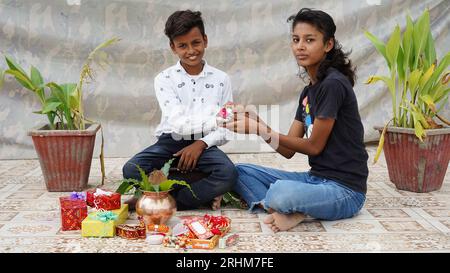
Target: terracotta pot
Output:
{"points": [[156, 207], [65, 156], [414, 165]]}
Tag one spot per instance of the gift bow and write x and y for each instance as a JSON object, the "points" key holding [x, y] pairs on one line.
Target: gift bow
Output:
{"points": [[78, 195], [104, 216], [102, 192]]}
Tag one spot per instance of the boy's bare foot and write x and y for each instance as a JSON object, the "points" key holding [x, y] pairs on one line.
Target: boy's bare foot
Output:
{"points": [[216, 202], [282, 222]]}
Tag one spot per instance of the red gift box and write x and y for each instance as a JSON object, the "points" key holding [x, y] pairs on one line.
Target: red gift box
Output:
{"points": [[73, 212], [103, 199]]}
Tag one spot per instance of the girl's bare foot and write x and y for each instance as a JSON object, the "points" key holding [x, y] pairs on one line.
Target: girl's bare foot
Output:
{"points": [[216, 202], [282, 222]]}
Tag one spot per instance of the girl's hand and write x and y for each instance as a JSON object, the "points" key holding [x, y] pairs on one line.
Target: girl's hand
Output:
{"points": [[248, 110], [243, 124]]}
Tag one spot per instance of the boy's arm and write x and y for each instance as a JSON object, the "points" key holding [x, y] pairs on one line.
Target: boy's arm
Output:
{"points": [[181, 120], [219, 136]]}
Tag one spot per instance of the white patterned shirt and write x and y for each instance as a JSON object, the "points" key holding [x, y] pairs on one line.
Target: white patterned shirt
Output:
{"points": [[189, 104]]}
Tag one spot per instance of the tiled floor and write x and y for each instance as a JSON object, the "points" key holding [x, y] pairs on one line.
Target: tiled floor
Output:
{"points": [[391, 220]]}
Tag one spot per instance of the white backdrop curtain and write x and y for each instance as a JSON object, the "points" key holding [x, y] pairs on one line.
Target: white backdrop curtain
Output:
{"points": [[247, 39]]}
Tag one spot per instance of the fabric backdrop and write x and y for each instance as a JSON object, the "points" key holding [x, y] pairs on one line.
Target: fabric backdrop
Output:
{"points": [[247, 39]]}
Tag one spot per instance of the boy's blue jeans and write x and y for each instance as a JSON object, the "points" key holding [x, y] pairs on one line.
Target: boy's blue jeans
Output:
{"points": [[221, 179], [289, 192]]}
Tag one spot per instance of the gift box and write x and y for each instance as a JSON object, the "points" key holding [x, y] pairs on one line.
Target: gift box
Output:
{"points": [[73, 212], [202, 243], [131, 232], [103, 223], [228, 240], [101, 199]]}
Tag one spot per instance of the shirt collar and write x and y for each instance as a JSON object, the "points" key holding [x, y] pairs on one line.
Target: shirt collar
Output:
{"points": [[207, 70]]}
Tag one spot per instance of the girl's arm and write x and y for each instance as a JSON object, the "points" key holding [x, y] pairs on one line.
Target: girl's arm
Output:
{"points": [[297, 130], [288, 144]]}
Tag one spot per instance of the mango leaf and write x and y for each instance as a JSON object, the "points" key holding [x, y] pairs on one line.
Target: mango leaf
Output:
{"points": [[145, 183], [167, 185], [127, 185], [379, 45], [165, 169]]}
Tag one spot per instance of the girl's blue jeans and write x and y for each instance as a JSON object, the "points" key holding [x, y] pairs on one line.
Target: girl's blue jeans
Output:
{"points": [[290, 192]]}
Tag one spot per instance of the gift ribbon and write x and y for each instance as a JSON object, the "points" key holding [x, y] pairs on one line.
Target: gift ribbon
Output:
{"points": [[102, 192], [78, 196], [104, 216]]}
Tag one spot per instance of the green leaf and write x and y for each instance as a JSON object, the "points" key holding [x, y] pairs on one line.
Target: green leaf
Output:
{"points": [[127, 185], [407, 45], [2, 78], [146, 186], [167, 185], [379, 45], [21, 78], [165, 169], [392, 46], [14, 66], [429, 102], [36, 77], [50, 107], [420, 35]]}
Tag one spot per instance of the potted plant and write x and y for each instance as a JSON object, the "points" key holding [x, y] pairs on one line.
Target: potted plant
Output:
{"points": [[155, 205], [417, 149], [65, 144]]}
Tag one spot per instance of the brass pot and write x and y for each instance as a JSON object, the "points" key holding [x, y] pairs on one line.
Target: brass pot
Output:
{"points": [[156, 207]]}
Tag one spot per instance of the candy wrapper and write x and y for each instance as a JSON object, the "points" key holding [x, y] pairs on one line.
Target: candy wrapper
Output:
{"points": [[199, 228], [103, 223], [101, 199], [228, 240], [73, 211], [131, 232]]}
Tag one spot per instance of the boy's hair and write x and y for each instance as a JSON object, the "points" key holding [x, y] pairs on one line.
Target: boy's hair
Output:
{"points": [[336, 57], [181, 22]]}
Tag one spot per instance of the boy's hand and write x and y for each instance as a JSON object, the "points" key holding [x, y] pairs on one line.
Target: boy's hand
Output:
{"points": [[189, 156]]}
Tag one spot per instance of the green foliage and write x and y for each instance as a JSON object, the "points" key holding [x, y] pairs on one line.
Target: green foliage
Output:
{"points": [[145, 184], [61, 103], [418, 82]]}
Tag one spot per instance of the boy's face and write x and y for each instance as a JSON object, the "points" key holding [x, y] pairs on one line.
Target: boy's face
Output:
{"points": [[190, 48]]}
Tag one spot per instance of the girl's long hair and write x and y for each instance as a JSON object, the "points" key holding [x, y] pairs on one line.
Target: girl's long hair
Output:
{"points": [[336, 57]]}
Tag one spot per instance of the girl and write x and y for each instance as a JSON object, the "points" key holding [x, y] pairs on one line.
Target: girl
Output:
{"points": [[327, 127]]}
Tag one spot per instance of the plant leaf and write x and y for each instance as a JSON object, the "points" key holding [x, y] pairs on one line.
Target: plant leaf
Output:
{"points": [[36, 77], [392, 47], [167, 185], [165, 169], [379, 45]]}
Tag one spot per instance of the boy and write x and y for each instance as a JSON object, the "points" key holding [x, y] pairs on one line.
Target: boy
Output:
{"points": [[190, 95]]}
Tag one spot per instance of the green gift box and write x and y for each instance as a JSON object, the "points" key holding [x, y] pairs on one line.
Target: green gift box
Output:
{"points": [[103, 223]]}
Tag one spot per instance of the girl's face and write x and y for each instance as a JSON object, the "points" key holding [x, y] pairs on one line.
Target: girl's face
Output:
{"points": [[308, 46]]}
